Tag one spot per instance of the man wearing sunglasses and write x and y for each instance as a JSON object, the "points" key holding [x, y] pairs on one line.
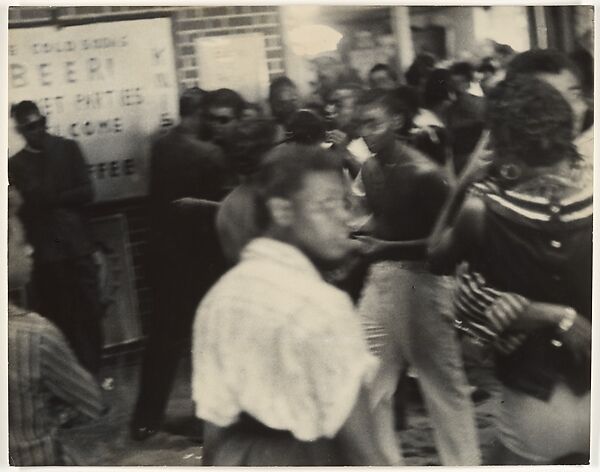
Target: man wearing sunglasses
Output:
{"points": [[183, 252], [52, 176], [224, 111]]}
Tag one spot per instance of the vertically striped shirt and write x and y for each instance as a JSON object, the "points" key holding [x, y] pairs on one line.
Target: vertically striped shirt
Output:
{"points": [[44, 380]]}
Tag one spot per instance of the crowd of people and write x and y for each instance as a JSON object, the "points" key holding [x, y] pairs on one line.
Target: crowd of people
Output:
{"points": [[312, 254]]}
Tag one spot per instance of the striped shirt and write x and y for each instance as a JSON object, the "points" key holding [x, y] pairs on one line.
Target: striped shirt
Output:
{"points": [[484, 313], [45, 384]]}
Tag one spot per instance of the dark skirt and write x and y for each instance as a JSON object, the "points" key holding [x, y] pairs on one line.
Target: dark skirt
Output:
{"points": [[250, 443]]}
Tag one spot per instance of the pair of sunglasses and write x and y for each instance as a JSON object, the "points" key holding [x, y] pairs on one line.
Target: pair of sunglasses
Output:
{"points": [[41, 123], [222, 120]]}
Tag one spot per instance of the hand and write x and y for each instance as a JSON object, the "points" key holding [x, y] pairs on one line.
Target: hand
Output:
{"points": [[185, 202], [578, 339], [475, 173], [337, 137], [369, 245]]}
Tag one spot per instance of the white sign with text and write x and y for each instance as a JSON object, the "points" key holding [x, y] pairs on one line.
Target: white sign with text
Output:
{"points": [[110, 86], [236, 61]]}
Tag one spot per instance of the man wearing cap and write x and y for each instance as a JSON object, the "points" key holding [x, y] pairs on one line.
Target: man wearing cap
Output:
{"points": [[52, 177]]}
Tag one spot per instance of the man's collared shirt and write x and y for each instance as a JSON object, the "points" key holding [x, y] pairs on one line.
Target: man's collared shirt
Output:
{"points": [[273, 340], [44, 378]]}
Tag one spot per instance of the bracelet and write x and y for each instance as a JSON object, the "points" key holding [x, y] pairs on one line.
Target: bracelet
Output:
{"points": [[568, 320], [565, 324]]}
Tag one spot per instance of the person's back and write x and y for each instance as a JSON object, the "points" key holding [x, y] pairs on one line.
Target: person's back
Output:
{"points": [[183, 257], [182, 239], [183, 166]]}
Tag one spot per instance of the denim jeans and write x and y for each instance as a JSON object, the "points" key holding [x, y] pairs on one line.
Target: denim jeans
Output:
{"points": [[406, 313]]}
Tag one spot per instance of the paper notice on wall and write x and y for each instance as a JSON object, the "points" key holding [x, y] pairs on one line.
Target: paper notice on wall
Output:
{"points": [[238, 62], [110, 86]]}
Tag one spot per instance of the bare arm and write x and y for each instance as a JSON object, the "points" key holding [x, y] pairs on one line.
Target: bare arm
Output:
{"points": [[374, 247], [474, 170], [513, 317], [449, 245], [192, 202], [577, 335]]}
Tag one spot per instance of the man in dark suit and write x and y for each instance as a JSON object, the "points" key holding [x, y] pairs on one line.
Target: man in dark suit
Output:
{"points": [[184, 253], [52, 177]]}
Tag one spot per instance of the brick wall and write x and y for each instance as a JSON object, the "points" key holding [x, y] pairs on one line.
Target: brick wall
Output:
{"points": [[194, 22], [188, 23]]}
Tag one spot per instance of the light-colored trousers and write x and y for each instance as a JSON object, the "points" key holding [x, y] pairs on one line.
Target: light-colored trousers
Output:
{"points": [[406, 315], [544, 431]]}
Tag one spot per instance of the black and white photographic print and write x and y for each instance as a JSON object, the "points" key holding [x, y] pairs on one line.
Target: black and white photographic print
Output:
{"points": [[300, 235]]}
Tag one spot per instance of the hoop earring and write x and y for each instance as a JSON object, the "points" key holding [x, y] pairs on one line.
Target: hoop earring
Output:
{"points": [[510, 171]]}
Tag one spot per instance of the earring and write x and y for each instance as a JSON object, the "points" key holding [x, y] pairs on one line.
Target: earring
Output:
{"points": [[510, 171]]}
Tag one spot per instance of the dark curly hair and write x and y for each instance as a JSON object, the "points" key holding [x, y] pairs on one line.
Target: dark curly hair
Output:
{"points": [[306, 127], [251, 139], [531, 121], [438, 88], [539, 61]]}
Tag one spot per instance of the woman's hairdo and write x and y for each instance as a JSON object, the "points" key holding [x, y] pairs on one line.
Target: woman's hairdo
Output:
{"points": [[530, 120]]}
